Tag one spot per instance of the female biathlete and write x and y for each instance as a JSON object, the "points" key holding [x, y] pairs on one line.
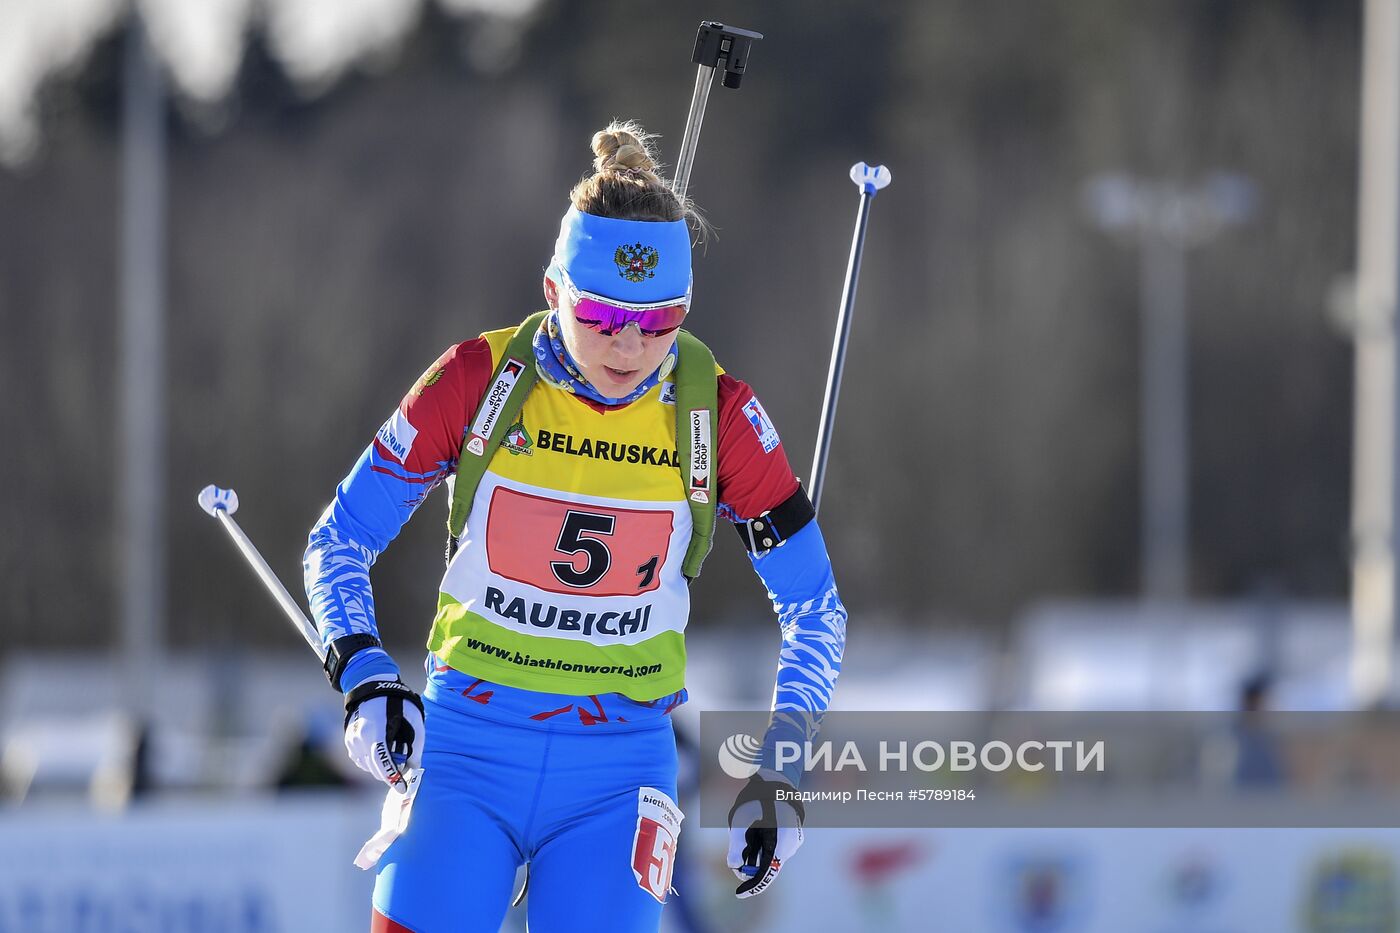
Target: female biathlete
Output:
{"points": [[557, 653]]}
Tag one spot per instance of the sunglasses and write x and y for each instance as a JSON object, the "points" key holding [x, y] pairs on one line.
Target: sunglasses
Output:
{"points": [[608, 316]]}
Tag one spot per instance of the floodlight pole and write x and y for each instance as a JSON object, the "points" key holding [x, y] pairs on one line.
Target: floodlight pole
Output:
{"points": [[141, 546]]}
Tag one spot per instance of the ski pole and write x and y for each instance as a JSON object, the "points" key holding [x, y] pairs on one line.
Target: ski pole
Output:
{"points": [[870, 180], [222, 503], [713, 42]]}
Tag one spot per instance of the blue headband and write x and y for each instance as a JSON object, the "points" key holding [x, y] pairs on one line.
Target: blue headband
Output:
{"points": [[628, 260]]}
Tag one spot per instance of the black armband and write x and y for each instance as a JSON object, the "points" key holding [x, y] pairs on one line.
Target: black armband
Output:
{"points": [[340, 651], [760, 535]]}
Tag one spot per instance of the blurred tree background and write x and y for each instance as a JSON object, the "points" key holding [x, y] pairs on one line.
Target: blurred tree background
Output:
{"points": [[327, 243]]}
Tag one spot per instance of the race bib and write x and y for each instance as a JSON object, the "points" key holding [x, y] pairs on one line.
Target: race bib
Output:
{"points": [[576, 548]]}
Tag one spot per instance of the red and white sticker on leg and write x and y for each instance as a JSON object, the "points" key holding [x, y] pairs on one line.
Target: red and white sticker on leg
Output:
{"points": [[654, 844]]}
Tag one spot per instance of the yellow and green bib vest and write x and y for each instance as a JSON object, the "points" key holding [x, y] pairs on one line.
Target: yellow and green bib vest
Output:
{"points": [[569, 574]]}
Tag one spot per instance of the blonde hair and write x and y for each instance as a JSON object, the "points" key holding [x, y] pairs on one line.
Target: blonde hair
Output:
{"points": [[625, 184]]}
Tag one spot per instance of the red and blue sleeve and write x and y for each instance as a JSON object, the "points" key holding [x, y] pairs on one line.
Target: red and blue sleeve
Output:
{"points": [[414, 451], [754, 477]]}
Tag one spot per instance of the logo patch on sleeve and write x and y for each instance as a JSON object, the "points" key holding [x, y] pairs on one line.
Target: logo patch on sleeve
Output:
{"points": [[397, 435], [654, 843], [762, 426], [430, 379]]}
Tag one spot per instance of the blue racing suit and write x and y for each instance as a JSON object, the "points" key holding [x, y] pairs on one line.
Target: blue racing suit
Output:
{"points": [[574, 785]]}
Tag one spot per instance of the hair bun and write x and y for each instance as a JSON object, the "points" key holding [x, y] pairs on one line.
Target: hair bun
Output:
{"points": [[622, 148], [625, 183]]}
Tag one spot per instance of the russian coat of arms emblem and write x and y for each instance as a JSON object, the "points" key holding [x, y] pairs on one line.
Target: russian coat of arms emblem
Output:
{"points": [[636, 263]]}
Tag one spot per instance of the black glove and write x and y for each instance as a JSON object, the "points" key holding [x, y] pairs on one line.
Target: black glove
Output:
{"points": [[764, 831]]}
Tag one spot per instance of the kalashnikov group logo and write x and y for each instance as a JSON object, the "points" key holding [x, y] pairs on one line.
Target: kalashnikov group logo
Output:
{"points": [[636, 263], [738, 756], [494, 404]]}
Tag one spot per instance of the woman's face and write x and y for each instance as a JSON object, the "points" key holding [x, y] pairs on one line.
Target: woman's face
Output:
{"points": [[613, 365]]}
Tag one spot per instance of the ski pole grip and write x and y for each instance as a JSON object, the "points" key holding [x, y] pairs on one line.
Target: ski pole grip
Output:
{"points": [[868, 178]]}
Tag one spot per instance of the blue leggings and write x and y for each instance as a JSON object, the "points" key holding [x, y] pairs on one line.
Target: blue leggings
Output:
{"points": [[593, 813]]}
